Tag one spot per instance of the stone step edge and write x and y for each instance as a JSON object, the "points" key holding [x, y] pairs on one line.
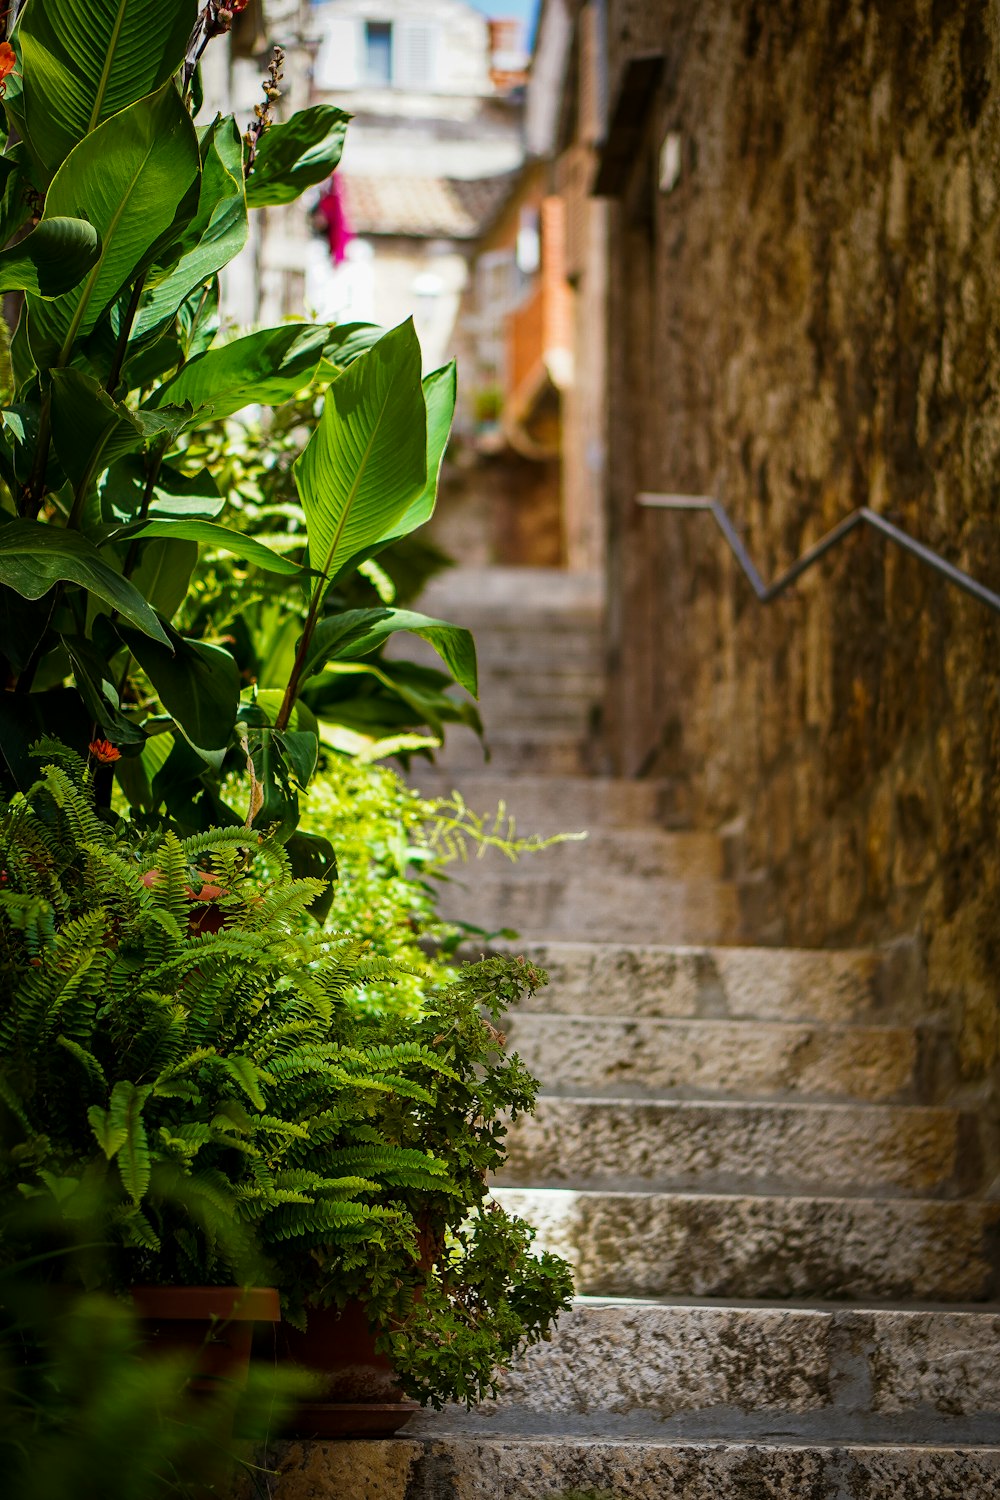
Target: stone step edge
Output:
{"points": [[913, 1206], [524, 1467]]}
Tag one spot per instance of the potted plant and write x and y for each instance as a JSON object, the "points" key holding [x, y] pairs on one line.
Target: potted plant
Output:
{"points": [[436, 1310], [175, 1076]]}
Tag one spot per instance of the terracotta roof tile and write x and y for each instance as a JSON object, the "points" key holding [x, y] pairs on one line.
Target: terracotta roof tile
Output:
{"points": [[424, 207]]}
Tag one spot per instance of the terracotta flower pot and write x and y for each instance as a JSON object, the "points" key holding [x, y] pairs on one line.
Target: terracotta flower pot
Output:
{"points": [[213, 1325], [361, 1396]]}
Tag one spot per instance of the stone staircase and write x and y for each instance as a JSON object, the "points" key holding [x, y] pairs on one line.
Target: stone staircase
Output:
{"points": [[750, 1156]]}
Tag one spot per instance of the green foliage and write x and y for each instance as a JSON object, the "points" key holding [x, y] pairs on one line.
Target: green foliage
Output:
{"points": [[168, 1044], [394, 850], [116, 370], [463, 1299], [84, 1411]]}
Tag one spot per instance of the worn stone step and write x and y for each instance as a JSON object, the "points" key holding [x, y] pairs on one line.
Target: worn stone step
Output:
{"points": [[558, 680], [543, 750], [705, 1369], [766, 984], [842, 1149], [513, 590], [605, 905], [628, 1058], [553, 804], [646, 853], [724, 1245], [516, 1467]]}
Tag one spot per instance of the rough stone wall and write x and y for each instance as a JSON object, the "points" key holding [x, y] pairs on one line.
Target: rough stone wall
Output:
{"points": [[808, 322]]}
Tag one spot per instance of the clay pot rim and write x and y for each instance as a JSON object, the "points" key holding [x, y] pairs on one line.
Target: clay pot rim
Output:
{"points": [[253, 1304]]}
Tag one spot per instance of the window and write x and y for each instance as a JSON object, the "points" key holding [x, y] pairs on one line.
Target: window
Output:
{"points": [[378, 54]]}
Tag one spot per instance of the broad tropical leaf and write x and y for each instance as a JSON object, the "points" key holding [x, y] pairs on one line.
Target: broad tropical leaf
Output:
{"points": [[297, 155], [198, 684], [34, 556], [220, 537], [89, 429], [215, 235], [90, 673], [83, 61], [51, 259], [342, 637], [367, 460], [163, 573], [440, 389], [136, 179], [269, 366]]}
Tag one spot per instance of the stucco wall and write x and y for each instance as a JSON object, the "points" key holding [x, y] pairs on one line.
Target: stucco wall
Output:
{"points": [[808, 322]]}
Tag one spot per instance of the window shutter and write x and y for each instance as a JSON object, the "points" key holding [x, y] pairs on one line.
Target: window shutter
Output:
{"points": [[416, 56]]}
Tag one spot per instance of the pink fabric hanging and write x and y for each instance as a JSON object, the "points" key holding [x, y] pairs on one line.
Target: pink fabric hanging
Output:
{"points": [[332, 209]]}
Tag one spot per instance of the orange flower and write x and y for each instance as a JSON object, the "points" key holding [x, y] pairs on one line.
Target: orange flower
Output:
{"points": [[104, 752]]}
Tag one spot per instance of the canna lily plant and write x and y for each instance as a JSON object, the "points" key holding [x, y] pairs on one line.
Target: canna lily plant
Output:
{"points": [[119, 207]]}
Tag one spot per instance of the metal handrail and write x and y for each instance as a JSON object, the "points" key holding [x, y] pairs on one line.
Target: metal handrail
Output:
{"points": [[864, 517]]}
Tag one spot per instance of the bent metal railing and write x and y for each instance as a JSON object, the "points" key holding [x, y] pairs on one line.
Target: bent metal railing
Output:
{"points": [[864, 517]]}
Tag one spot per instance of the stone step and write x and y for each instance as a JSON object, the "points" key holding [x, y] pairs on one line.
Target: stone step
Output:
{"points": [[601, 1056], [552, 804], [830, 1149], [605, 905], [759, 984], [536, 751], [514, 592], [555, 681], [646, 853], [703, 1369], [546, 1468], [722, 1245]]}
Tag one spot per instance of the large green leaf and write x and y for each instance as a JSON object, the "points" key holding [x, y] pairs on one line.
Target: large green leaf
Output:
{"points": [[297, 155], [220, 537], [198, 684], [163, 574], [83, 61], [344, 344], [338, 639], [51, 259], [367, 460], [99, 693], [269, 366], [136, 179], [215, 235], [34, 556], [440, 389], [89, 429]]}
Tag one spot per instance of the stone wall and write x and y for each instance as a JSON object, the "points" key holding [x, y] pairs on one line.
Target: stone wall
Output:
{"points": [[808, 322]]}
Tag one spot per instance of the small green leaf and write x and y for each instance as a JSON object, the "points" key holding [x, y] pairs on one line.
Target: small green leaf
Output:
{"points": [[337, 639], [34, 556], [269, 367], [301, 751], [211, 535], [296, 155], [50, 260]]}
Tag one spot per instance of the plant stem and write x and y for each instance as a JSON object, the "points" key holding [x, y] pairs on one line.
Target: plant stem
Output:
{"points": [[123, 335], [33, 492], [298, 666]]}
